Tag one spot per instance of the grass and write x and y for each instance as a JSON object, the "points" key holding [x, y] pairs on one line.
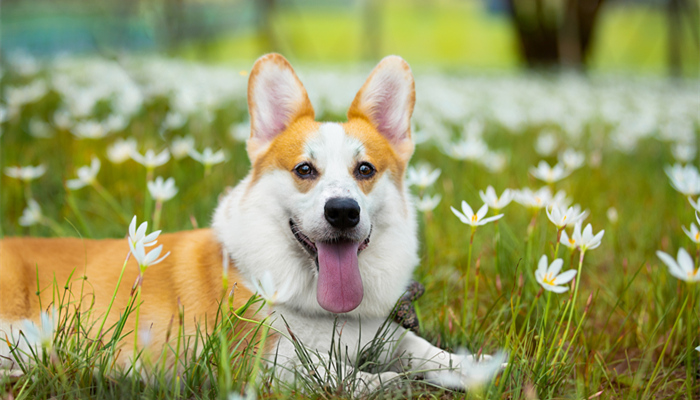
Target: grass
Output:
{"points": [[632, 331]]}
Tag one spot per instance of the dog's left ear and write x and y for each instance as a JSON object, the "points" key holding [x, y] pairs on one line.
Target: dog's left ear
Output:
{"points": [[386, 100], [276, 99]]}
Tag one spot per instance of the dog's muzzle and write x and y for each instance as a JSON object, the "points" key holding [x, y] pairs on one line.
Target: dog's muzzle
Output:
{"points": [[339, 284]]}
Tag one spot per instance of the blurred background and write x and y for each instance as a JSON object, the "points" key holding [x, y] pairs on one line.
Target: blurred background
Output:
{"points": [[638, 36]]}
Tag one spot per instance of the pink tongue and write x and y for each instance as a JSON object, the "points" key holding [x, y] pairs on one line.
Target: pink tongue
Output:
{"points": [[339, 287]]}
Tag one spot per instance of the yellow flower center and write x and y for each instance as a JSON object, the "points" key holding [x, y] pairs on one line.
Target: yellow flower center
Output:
{"points": [[693, 273], [548, 279], [474, 219], [697, 236], [572, 241]]}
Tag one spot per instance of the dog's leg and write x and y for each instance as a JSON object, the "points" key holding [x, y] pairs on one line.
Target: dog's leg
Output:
{"points": [[313, 370], [420, 358]]}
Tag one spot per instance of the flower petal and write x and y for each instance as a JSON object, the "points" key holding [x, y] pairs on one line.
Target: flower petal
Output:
{"points": [[555, 267], [685, 262], [565, 277], [460, 216], [467, 210], [482, 212], [542, 265]]}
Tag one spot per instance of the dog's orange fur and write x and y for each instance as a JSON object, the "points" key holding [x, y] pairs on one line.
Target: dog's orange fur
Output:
{"points": [[192, 274]]}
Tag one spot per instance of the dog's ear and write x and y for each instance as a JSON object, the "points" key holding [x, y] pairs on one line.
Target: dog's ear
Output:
{"points": [[276, 98], [386, 100]]}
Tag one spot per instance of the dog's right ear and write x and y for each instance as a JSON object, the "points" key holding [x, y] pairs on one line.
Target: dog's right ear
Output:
{"points": [[276, 98]]}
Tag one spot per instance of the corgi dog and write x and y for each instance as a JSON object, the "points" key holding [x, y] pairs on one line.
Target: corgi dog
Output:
{"points": [[324, 214]]}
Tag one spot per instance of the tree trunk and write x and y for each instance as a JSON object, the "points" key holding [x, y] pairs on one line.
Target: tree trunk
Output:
{"points": [[549, 37]]}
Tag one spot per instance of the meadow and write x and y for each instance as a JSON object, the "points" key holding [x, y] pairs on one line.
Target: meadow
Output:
{"points": [[625, 151]]}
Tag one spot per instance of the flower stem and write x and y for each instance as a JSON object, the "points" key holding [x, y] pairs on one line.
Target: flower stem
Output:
{"points": [[147, 194], [466, 278], [544, 328], [663, 351], [497, 240], [81, 219], [573, 303], [110, 200], [556, 248], [690, 353], [27, 191], [258, 355], [53, 225], [114, 296], [136, 321], [476, 292], [156, 215]]}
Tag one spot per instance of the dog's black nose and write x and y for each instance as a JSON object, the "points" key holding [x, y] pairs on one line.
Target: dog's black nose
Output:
{"points": [[342, 212]]}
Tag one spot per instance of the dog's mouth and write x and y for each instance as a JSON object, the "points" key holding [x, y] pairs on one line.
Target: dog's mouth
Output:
{"points": [[310, 246], [339, 286]]}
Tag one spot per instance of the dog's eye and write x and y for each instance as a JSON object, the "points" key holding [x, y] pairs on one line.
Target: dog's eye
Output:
{"points": [[305, 170], [365, 170]]}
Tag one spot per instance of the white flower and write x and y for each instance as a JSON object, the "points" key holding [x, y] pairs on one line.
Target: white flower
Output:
{"points": [[144, 259], [560, 200], [683, 152], [564, 218], [249, 394], [32, 214], [684, 179], [469, 373], [572, 159], [181, 146], [695, 204], [568, 241], [612, 215], [684, 269], [586, 240], [550, 278], [62, 119], [41, 336], [121, 150], [694, 233], [428, 203], [89, 130], [39, 129], [115, 123], [546, 143], [491, 199], [473, 148], [494, 162], [162, 190], [468, 217], [266, 287], [174, 120], [150, 159], [208, 157], [549, 174], [18, 96], [27, 173], [536, 200], [86, 175], [241, 132], [136, 235], [422, 177]]}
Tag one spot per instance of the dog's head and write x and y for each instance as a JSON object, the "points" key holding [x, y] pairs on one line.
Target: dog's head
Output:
{"points": [[342, 226]]}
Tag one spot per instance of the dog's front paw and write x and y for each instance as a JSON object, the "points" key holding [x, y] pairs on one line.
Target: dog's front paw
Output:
{"points": [[469, 372], [369, 383]]}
